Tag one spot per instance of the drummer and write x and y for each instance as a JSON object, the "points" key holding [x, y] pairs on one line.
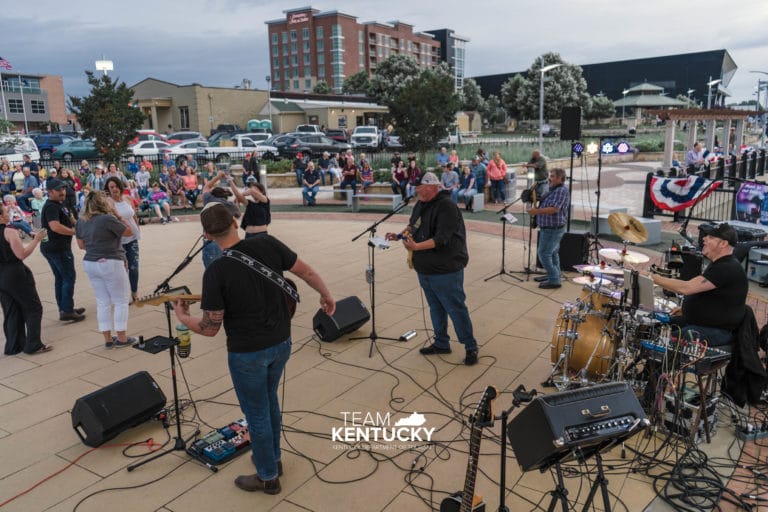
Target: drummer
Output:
{"points": [[714, 302]]}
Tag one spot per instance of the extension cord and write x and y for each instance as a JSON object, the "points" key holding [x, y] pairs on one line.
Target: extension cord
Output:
{"points": [[754, 435]]}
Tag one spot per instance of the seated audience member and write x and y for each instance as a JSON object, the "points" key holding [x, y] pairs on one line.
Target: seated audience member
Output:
{"points": [[449, 180], [414, 177], [454, 159], [311, 184], [191, 187], [85, 168], [174, 186], [694, 159], [298, 166], [467, 187], [399, 181], [132, 167], [25, 192], [18, 219], [37, 203], [158, 201], [442, 157], [182, 169], [349, 175], [96, 180], [333, 167], [323, 165], [366, 176], [142, 182]]}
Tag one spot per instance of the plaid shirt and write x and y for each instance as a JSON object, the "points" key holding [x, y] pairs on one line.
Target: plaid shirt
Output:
{"points": [[559, 198]]}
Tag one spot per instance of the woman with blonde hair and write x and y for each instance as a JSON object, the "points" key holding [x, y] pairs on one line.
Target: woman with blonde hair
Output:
{"points": [[99, 233]]}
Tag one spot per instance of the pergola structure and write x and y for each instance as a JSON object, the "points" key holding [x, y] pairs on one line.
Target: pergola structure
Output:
{"points": [[690, 116]]}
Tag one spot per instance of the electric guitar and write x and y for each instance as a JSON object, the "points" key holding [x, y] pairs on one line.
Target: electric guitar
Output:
{"points": [[467, 500], [160, 298], [406, 235]]}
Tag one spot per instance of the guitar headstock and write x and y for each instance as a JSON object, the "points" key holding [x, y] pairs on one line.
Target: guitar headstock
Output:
{"points": [[484, 411]]}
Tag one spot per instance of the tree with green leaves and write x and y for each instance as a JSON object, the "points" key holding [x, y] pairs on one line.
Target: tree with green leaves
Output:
{"points": [[321, 87], [600, 107], [107, 115], [471, 98], [492, 111], [392, 76], [424, 108], [509, 91], [6, 126], [356, 84], [563, 86]]}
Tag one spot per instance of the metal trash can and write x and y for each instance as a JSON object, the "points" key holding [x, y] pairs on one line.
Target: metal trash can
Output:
{"points": [[511, 186]]}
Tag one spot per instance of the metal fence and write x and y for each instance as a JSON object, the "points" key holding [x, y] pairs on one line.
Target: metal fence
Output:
{"points": [[720, 205]]}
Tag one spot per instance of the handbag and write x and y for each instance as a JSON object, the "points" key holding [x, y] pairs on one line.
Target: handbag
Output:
{"points": [[286, 285]]}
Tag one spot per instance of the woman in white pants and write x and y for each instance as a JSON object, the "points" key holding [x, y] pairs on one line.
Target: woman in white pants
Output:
{"points": [[99, 232]]}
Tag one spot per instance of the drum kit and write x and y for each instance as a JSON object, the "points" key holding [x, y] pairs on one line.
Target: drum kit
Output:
{"points": [[597, 337]]}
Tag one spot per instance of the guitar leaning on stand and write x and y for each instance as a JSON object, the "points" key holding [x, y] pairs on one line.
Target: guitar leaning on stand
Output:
{"points": [[467, 500]]}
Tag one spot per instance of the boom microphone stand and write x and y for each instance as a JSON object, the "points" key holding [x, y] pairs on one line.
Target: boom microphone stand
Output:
{"points": [[502, 271], [370, 274], [180, 443]]}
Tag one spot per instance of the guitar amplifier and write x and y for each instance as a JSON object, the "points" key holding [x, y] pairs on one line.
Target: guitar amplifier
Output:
{"points": [[552, 427]]}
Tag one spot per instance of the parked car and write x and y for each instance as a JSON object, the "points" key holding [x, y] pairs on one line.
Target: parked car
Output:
{"points": [[149, 148], [180, 151], [14, 147], [308, 128], [368, 137], [291, 144], [255, 136], [76, 149], [393, 143], [145, 135], [337, 135], [227, 128], [47, 141], [182, 136]]}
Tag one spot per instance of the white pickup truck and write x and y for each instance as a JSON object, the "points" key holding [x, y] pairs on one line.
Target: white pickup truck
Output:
{"points": [[366, 137], [236, 147]]}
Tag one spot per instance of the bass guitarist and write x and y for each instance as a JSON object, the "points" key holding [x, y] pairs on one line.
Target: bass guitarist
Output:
{"points": [[551, 216], [256, 317]]}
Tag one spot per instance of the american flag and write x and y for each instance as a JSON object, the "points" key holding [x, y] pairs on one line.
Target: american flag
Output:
{"points": [[5, 64]]}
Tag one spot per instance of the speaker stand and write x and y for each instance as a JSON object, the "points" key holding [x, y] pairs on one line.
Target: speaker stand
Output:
{"points": [[502, 271], [180, 444], [370, 275], [560, 493]]}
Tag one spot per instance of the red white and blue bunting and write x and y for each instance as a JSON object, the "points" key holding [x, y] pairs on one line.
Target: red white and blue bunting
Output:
{"points": [[675, 194]]}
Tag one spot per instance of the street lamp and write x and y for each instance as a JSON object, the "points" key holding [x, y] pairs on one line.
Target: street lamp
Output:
{"points": [[688, 93], [760, 85], [623, 97], [541, 104], [269, 102], [709, 90]]}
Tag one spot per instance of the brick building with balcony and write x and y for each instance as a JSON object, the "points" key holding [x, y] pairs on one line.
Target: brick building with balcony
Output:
{"points": [[34, 100]]}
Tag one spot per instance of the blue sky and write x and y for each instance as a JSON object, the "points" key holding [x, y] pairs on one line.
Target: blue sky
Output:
{"points": [[220, 42]]}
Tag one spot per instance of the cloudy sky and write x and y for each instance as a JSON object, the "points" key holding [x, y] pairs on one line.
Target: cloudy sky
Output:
{"points": [[220, 42]]}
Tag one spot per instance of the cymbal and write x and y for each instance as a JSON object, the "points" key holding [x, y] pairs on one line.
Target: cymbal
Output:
{"points": [[631, 257], [627, 227], [606, 270], [591, 281]]}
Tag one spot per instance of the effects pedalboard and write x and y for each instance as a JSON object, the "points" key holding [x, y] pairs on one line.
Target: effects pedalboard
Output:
{"points": [[223, 444]]}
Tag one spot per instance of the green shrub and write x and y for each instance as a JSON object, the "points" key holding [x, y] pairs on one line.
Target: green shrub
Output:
{"points": [[279, 166]]}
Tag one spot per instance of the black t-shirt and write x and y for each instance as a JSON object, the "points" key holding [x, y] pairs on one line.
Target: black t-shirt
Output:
{"points": [[255, 313], [441, 220], [722, 307], [55, 211], [256, 214]]}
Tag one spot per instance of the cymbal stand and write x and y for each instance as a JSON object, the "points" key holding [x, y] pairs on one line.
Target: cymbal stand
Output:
{"points": [[519, 396], [595, 245], [502, 271]]}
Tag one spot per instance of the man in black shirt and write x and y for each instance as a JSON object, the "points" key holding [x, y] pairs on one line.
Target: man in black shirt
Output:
{"points": [[57, 249], [714, 303], [257, 323], [438, 240]]}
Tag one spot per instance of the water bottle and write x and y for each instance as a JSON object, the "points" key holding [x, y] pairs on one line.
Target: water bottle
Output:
{"points": [[764, 210], [185, 340]]}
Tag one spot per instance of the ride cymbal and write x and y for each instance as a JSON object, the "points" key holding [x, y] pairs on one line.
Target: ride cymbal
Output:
{"points": [[624, 256], [591, 281], [627, 227]]}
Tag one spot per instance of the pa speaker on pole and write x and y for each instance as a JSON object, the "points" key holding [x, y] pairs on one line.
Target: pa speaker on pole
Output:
{"points": [[570, 123]]}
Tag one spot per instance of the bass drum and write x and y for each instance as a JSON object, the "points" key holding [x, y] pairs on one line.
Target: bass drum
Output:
{"points": [[582, 328]]}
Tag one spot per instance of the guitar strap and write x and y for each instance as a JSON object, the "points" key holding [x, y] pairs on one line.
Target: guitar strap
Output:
{"points": [[264, 271]]}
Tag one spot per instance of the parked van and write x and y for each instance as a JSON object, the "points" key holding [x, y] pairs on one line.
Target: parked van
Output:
{"points": [[14, 147]]}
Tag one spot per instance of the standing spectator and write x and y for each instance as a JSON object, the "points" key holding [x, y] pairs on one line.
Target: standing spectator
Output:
{"points": [[442, 157], [191, 187], [113, 171], [299, 166], [85, 168], [132, 168], [257, 216], [123, 205], [366, 176], [399, 181], [33, 167], [192, 163], [540, 175], [449, 181], [694, 159], [551, 218], [65, 175], [142, 182], [251, 165], [349, 175], [99, 234], [17, 178], [414, 177], [96, 180], [167, 161], [311, 184], [22, 309], [146, 164], [497, 174], [478, 169], [467, 187], [59, 222]]}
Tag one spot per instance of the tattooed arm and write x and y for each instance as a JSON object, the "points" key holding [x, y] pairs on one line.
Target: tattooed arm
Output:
{"points": [[208, 325]]}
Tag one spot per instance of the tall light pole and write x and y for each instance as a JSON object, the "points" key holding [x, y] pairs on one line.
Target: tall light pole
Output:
{"points": [[623, 97], [688, 93], [762, 84], [269, 102], [709, 91], [541, 104]]}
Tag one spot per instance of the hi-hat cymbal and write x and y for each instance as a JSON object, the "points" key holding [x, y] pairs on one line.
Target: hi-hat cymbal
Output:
{"points": [[627, 227], [591, 281], [631, 257], [605, 270]]}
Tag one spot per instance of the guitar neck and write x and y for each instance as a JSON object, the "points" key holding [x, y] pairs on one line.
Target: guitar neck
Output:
{"points": [[468, 498], [155, 300]]}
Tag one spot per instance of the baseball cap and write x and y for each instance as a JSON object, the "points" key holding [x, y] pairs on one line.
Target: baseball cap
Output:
{"points": [[56, 184], [725, 232], [475, 158], [429, 178], [250, 179]]}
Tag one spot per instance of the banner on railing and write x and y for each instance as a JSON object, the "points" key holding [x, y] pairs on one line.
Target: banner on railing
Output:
{"points": [[675, 194], [751, 204]]}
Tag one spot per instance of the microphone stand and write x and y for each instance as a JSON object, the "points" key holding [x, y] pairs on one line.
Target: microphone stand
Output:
{"points": [[180, 443], [502, 271], [371, 276], [519, 396]]}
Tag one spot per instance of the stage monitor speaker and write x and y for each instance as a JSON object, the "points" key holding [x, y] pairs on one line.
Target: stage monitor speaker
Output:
{"points": [[103, 414], [574, 250], [350, 315], [570, 123]]}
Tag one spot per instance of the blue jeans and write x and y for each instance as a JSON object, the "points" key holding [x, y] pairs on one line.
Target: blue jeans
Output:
{"points": [[22, 225], [310, 193], [256, 377], [132, 256], [714, 336], [63, 266], [211, 251], [497, 190], [466, 195], [400, 187], [549, 252], [300, 176], [445, 296], [344, 184]]}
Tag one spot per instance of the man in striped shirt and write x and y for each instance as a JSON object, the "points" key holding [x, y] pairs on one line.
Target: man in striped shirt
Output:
{"points": [[551, 216]]}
